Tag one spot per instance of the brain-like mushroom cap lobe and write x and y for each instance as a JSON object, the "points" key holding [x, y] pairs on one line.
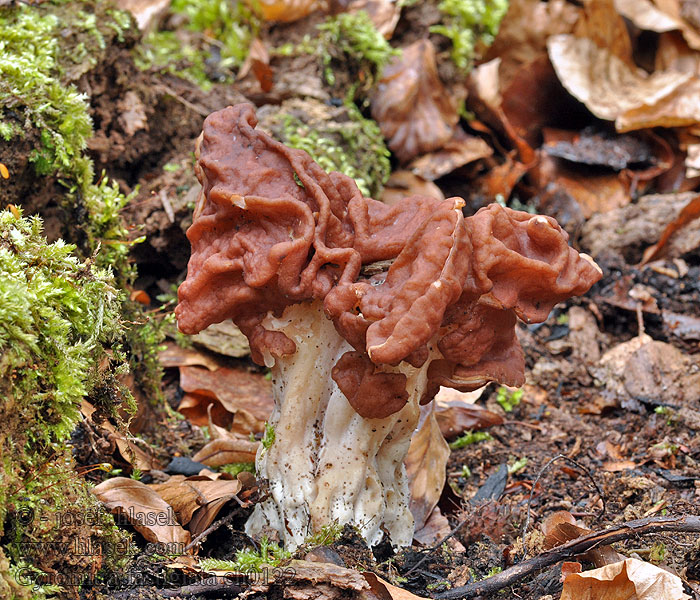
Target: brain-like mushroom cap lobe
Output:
{"points": [[373, 394], [272, 229]]}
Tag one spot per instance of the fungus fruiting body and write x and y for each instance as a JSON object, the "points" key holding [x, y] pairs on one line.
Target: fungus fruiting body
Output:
{"points": [[361, 311]]}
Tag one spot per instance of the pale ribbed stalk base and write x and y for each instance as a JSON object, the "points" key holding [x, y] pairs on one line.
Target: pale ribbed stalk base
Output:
{"points": [[327, 463]]}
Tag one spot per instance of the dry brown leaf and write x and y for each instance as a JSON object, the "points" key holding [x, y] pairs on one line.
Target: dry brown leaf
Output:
{"points": [[414, 111], [187, 494], [673, 53], [225, 451], [690, 212], [436, 528], [246, 395], [459, 150], [645, 15], [601, 23], [402, 184], [524, 30], [149, 514], [615, 466], [559, 528], [456, 413], [426, 464], [606, 85], [502, 179], [692, 160], [173, 355], [624, 580], [284, 11], [385, 591], [258, 61], [146, 12], [383, 13]]}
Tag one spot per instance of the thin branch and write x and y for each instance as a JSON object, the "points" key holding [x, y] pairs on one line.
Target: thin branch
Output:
{"points": [[632, 529]]}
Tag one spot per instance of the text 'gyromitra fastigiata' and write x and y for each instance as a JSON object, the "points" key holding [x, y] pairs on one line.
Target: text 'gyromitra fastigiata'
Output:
{"points": [[361, 311]]}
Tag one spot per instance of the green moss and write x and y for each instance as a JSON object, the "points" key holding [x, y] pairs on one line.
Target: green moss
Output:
{"points": [[220, 33], [236, 468], [60, 325], [326, 536], [471, 437], [353, 40], [268, 437], [508, 399], [471, 25], [337, 138], [250, 560]]}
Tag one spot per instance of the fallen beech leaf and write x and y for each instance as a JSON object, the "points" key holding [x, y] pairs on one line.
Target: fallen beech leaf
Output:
{"points": [[402, 184], [246, 395], [146, 12], [188, 494], [692, 161], [681, 107], [383, 13], [225, 451], [385, 591], [624, 580], [690, 212], [411, 105], [559, 528], [458, 151], [175, 356], [664, 16], [426, 462], [258, 61], [456, 412], [205, 515], [605, 84], [436, 528], [149, 514], [284, 11], [523, 33], [601, 23]]}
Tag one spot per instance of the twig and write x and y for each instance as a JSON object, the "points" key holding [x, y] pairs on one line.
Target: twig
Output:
{"points": [[686, 524], [170, 91], [194, 589], [550, 462], [214, 526]]}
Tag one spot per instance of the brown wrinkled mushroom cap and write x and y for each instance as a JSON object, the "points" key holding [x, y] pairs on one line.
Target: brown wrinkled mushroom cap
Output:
{"points": [[272, 229]]}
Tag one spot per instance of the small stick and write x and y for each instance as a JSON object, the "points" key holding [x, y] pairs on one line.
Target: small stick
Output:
{"points": [[631, 529], [213, 527], [534, 484]]}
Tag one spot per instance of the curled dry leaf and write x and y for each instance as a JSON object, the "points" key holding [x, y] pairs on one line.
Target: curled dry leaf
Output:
{"points": [[690, 212], [426, 462], [456, 413], [522, 36], [459, 150], [187, 494], [415, 112], [225, 451], [173, 355], [383, 13], [611, 90], [385, 591], [602, 24], [246, 395], [284, 11], [631, 578], [149, 514], [223, 338], [258, 62], [659, 17]]}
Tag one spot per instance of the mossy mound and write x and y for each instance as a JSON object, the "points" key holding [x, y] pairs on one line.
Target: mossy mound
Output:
{"points": [[338, 138], [60, 326]]}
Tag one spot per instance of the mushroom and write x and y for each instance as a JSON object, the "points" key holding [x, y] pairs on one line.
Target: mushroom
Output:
{"points": [[361, 311]]}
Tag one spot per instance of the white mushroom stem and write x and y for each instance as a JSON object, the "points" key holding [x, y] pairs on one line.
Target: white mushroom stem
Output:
{"points": [[328, 464]]}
